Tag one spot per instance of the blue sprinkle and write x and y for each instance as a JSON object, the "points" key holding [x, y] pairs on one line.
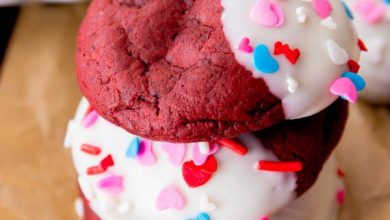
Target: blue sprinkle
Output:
{"points": [[388, 2], [263, 61], [357, 80], [203, 216], [132, 150], [348, 10]]}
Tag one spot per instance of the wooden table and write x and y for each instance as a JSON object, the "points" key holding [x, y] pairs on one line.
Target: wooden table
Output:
{"points": [[38, 95]]}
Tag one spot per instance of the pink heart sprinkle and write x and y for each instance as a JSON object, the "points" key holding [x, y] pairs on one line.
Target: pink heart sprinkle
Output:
{"points": [[344, 87], [112, 184], [199, 158], [145, 154], [267, 14], [90, 119], [245, 45], [340, 196], [264, 218], [322, 8], [170, 198], [371, 11], [176, 152]]}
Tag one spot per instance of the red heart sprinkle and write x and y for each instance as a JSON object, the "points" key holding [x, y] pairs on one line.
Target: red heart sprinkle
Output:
{"points": [[353, 66], [196, 176], [361, 45], [107, 162], [291, 54]]}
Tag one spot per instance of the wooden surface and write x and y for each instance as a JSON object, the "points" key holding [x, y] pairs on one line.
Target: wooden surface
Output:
{"points": [[38, 95]]}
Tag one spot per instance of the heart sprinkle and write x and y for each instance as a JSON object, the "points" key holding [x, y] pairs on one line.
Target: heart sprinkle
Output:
{"points": [[90, 149], [204, 147], [133, 148], [340, 196], [361, 45], [340, 173], [291, 54], [345, 88], [294, 166], [301, 13], [337, 54], [353, 66], [112, 184], [322, 7], [329, 23], [90, 119], [145, 154], [245, 45], [170, 198], [264, 218], [196, 176], [371, 11], [267, 14], [107, 162], [233, 145], [263, 60], [198, 157], [201, 216], [176, 152], [357, 80], [292, 85], [205, 204]]}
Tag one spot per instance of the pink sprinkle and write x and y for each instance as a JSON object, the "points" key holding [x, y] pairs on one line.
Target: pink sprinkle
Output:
{"points": [[112, 184], [199, 158], [345, 88], [245, 45], [90, 119], [170, 198], [267, 14], [145, 154], [176, 152], [264, 218], [340, 196], [322, 7], [371, 11]]}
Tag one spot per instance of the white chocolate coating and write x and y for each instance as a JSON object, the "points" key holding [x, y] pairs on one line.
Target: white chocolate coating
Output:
{"points": [[303, 28], [238, 190], [375, 64]]}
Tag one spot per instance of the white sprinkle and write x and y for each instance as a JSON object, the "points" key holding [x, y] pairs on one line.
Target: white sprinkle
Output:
{"points": [[292, 84], [79, 208], [376, 47], [329, 23], [86, 187], [204, 147], [337, 54], [124, 208], [206, 205], [69, 135], [301, 14]]}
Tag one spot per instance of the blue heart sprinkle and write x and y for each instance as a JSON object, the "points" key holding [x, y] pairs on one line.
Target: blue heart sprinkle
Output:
{"points": [[388, 2], [133, 148], [263, 60], [347, 10], [357, 80], [201, 216]]}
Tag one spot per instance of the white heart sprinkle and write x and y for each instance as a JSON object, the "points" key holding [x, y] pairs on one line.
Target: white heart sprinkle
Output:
{"points": [[206, 205], [204, 147], [337, 54], [329, 23], [292, 84], [376, 46], [124, 208], [301, 14], [79, 208]]}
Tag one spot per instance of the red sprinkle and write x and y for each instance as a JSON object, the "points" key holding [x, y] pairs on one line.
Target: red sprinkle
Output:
{"points": [[293, 166], [340, 173], [361, 45], [291, 54], [234, 146], [95, 170], [90, 149], [340, 196], [353, 66], [107, 162]]}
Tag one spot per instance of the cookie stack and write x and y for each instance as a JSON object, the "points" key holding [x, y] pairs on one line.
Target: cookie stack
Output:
{"points": [[212, 109]]}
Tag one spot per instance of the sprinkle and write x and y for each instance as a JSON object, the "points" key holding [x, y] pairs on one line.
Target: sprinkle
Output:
{"points": [[94, 170], [340, 173], [329, 23], [176, 152], [133, 148], [204, 147], [263, 61], [146, 155], [357, 80], [345, 88], [112, 184], [347, 10], [361, 45], [170, 198], [292, 55], [294, 166], [196, 176], [245, 45], [205, 204], [340, 196], [233, 145], [90, 149], [337, 54], [107, 162], [353, 66], [198, 157], [292, 85], [387, 2], [302, 14], [371, 11], [90, 119], [267, 14], [264, 218], [124, 208], [203, 216], [322, 7]]}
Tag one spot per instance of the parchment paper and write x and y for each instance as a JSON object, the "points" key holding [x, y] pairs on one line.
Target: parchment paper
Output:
{"points": [[38, 95]]}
